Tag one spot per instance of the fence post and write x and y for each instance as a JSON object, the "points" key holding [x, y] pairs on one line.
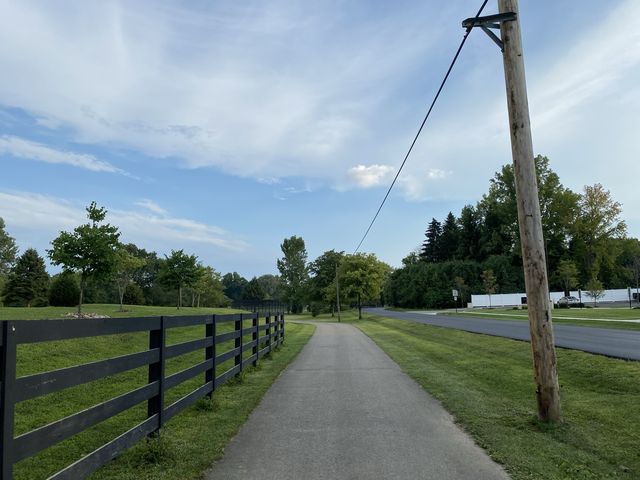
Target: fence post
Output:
{"points": [[238, 343], [268, 319], [254, 337], [155, 405], [210, 354], [7, 404]]}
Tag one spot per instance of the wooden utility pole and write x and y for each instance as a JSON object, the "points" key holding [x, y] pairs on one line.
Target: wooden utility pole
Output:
{"points": [[529, 219], [338, 293]]}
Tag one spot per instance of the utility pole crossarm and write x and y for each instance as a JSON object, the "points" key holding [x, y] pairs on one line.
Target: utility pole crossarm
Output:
{"points": [[490, 22]]}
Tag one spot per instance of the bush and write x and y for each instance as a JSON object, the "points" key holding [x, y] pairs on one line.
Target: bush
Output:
{"points": [[64, 290], [133, 295]]}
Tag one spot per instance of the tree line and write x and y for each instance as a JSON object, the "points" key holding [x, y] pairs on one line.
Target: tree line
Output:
{"points": [[479, 250], [98, 268]]}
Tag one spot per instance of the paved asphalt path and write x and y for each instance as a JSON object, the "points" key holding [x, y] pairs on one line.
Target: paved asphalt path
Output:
{"points": [[344, 410], [611, 342]]}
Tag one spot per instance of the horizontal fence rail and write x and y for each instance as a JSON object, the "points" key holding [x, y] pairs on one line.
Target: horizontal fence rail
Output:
{"points": [[266, 333]]}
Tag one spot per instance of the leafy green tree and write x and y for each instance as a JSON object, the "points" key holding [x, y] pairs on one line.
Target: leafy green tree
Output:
{"points": [[28, 282], [90, 250], [126, 265], [431, 246], [254, 291], [595, 290], [293, 272], [568, 274], [8, 250], [271, 285], [362, 276], [234, 285], [64, 290], [209, 288], [179, 271], [489, 282], [597, 225], [322, 286], [133, 295]]}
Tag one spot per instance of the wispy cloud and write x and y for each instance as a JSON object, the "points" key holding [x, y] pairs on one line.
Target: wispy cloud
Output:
{"points": [[29, 150], [151, 206], [46, 215]]}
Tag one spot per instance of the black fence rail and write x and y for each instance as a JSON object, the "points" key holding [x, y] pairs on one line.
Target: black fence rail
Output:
{"points": [[261, 306], [266, 332]]}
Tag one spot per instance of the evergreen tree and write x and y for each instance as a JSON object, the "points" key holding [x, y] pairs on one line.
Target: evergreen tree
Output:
{"points": [[234, 285], [431, 246], [449, 238], [28, 282], [469, 234], [254, 290]]}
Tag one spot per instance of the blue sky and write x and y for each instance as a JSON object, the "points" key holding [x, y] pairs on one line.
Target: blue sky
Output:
{"points": [[224, 127]]}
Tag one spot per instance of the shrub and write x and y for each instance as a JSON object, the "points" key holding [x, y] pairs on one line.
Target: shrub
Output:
{"points": [[64, 290]]}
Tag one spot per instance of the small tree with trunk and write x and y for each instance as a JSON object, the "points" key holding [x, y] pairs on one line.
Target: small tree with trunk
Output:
{"points": [[126, 266], [90, 250], [595, 290], [568, 273], [489, 282], [179, 270]]}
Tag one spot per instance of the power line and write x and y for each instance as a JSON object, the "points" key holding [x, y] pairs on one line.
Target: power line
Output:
{"points": [[435, 99]]}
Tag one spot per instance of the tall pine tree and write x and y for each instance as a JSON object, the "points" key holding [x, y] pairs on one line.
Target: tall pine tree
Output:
{"points": [[431, 246], [449, 238], [28, 281]]}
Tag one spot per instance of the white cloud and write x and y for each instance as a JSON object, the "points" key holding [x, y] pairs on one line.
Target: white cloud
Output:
{"points": [[151, 206], [370, 176], [38, 216], [265, 90], [28, 150]]}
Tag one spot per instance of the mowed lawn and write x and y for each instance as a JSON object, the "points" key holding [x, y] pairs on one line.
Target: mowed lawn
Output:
{"points": [[601, 317], [487, 384], [189, 443]]}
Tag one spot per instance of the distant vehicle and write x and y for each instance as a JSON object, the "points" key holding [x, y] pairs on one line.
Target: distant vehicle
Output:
{"points": [[568, 301]]}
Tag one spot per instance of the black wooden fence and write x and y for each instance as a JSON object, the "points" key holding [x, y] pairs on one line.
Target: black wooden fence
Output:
{"points": [[14, 390]]}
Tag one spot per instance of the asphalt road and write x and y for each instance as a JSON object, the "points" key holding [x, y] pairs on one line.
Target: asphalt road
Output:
{"points": [[604, 341], [344, 410]]}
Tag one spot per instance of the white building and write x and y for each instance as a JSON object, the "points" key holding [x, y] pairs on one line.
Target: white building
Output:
{"points": [[518, 299]]}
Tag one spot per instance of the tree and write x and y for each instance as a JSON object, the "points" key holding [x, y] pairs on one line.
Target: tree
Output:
{"points": [[597, 224], [126, 266], [8, 250], [469, 234], [209, 288], [449, 238], [431, 246], [179, 271], [234, 285], [362, 276], [462, 287], [322, 286], [89, 250], [595, 290], [254, 291], [489, 283], [568, 273], [293, 272], [64, 290], [28, 281], [271, 285]]}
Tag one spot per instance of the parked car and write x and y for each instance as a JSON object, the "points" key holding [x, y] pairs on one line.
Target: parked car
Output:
{"points": [[568, 301]]}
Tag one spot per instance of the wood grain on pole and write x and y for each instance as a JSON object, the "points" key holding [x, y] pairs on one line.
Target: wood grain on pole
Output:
{"points": [[529, 220]]}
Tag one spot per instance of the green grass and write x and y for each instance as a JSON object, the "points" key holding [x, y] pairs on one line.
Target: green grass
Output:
{"points": [[189, 443], [588, 317], [36, 313], [486, 383]]}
